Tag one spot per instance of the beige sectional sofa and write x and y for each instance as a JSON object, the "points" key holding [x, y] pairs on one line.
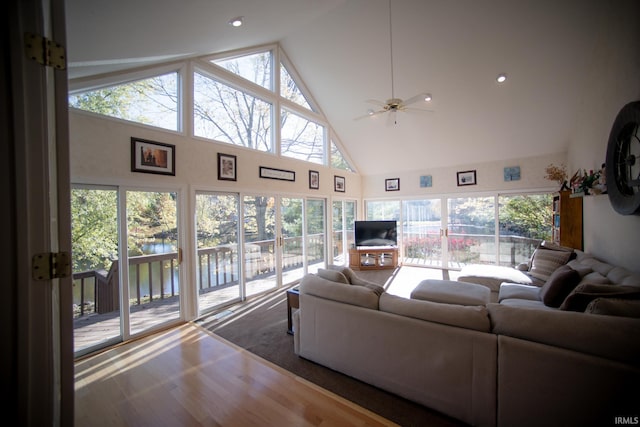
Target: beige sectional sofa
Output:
{"points": [[513, 363]]}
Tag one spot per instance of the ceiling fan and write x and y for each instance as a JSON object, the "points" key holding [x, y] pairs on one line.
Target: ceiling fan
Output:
{"points": [[393, 104]]}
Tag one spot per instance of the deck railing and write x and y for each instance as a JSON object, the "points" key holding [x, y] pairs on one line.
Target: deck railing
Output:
{"points": [[154, 277]]}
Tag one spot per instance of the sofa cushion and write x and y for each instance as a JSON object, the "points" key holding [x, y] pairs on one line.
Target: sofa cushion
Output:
{"points": [[561, 282], [545, 261], [518, 291], [492, 276], [584, 293], [604, 336], [333, 275], [355, 295], [469, 317], [582, 269], [614, 307], [451, 292]]}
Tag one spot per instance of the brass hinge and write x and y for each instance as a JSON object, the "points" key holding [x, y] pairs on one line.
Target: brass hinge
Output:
{"points": [[50, 265], [45, 52]]}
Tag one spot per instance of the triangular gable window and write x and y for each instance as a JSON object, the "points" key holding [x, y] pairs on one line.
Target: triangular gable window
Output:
{"points": [[255, 67], [337, 159], [289, 89]]}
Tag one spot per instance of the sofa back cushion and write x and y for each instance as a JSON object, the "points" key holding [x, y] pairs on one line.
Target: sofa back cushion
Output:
{"points": [[584, 293], [545, 261], [561, 282], [333, 275], [355, 295], [469, 317]]}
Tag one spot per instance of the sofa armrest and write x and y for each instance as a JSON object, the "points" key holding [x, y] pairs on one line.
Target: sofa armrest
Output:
{"points": [[604, 336]]}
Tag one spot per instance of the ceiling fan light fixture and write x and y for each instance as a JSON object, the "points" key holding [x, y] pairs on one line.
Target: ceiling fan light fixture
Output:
{"points": [[502, 77], [427, 97], [237, 21], [370, 111]]}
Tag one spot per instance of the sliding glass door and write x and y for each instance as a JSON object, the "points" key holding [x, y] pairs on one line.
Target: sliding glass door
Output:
{"points": [[422, 233], [96, 281], [259, 248], [126, 267], [217, 257], [344, 217], [153, 259], [315, 248]]}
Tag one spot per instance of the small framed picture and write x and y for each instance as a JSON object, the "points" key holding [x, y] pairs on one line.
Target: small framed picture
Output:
{"points": [[512, 173], [392, 184], [314, 180], [152, 157], [338, 183], [426, 181], [227, 167], [467, 178]]}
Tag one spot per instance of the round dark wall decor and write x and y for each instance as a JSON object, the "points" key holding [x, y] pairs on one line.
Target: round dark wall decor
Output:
{"points": [[623, 161]]}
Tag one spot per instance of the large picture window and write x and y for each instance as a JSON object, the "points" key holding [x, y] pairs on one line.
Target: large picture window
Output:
{"points": [[226, 114]]}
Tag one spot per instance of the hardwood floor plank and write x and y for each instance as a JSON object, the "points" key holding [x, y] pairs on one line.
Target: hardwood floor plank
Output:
{"points": [[187, 376]]}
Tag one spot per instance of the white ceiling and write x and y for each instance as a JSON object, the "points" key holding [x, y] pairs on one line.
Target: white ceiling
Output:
{"points": [[452, 49]]}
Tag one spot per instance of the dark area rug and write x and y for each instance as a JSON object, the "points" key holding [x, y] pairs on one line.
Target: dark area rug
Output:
{"points": [[260, 326]]}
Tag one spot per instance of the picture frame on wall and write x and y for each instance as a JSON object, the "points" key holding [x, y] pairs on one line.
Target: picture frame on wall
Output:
{"points": [[426, 181], [227, 168], [152, 157], [339, 183], [392, 184], [467, 178], [314, 180]]}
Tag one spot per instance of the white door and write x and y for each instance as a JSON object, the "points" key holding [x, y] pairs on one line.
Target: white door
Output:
{"points": [[37, 368]]}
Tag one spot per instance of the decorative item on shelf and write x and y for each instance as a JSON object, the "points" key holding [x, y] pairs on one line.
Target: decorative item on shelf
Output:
{"points": [[590, 183], [557, 174]]}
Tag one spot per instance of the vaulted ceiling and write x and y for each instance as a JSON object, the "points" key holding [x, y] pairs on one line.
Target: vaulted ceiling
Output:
{"points": [[550, 50]]}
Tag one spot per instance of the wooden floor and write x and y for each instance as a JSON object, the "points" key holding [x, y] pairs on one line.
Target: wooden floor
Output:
{"points": [[187, 376]]}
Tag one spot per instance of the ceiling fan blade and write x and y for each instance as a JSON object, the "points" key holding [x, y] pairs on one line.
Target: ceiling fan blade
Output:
{"points": [[375, 113], [416, 110], [375, 102], [414, 99]]}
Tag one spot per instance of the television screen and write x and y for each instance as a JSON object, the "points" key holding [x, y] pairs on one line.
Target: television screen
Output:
{"points": [[376, 233]]}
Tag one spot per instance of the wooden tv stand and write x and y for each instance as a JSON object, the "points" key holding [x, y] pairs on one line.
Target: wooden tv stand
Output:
{"points": [[364, 258]]}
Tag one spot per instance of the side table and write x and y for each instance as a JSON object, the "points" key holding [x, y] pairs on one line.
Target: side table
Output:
{"points": [[293, 301]]}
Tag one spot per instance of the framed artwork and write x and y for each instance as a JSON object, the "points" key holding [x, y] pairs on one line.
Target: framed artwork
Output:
{"points": [[467, 178], [425, 181], [338, 183], [512, 173], [314, 180], [392, 184], [152, 157], [227, 167], [281, 174]]}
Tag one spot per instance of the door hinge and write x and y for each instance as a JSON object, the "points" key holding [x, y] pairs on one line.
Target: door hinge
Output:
{"points": [[45, 52], [51, 265]]}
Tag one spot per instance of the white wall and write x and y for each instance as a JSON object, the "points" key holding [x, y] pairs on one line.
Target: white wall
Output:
{"points": [[101, 154], [489, 177], [612, 81]]}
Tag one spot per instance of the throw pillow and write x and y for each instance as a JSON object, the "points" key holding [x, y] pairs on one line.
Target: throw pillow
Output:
{"points": [[354, 279], [559, 285], [545, 261], [332, 275], [614, 307], [584, 293]]}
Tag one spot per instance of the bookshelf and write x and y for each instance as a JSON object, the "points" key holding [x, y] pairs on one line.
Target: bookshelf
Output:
{"points": [[566, 223]]}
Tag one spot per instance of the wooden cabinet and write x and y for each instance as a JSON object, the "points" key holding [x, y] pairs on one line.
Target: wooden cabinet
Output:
{"points": [[567, 220], [373, 259]]}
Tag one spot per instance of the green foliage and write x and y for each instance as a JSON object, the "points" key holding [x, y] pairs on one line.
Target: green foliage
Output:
{"points": [[94, 222], [526, 215]]}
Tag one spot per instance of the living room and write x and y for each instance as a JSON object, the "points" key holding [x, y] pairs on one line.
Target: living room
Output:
{"points": [[552, 120]]}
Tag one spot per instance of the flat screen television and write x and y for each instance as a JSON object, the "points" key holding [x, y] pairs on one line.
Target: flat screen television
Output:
{"points": [[376, 233]]}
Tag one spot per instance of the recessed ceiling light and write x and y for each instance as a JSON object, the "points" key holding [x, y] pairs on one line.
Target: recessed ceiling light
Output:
{"points": [[370, 111], [427, 97], [501, 78], [236, 22]]}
